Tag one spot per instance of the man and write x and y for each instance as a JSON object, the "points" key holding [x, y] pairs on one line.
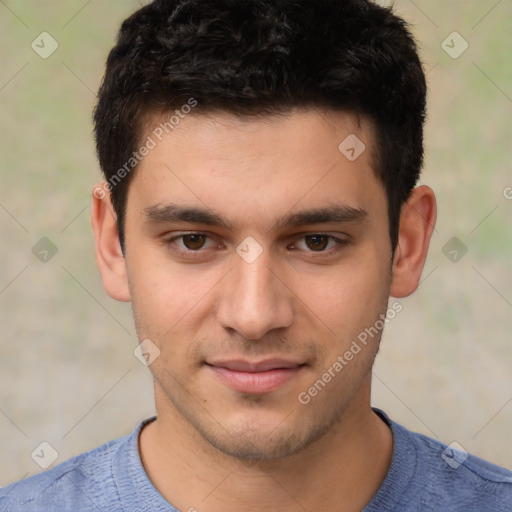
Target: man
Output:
{"points": [[259, 210]]}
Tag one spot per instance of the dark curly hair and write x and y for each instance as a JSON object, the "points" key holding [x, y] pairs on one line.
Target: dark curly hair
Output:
{"points": [[264, 57]]}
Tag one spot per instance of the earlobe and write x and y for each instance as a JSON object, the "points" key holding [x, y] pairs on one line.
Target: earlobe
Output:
{"points": [[417, 221], [109, 256]]}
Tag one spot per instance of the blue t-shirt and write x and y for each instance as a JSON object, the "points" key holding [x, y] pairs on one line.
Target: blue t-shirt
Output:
{"points": [[425, 475]]}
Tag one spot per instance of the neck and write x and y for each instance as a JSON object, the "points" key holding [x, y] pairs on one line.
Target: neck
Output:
{"points": [[340, 471]]}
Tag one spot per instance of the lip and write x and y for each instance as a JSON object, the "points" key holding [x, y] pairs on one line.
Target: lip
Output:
{"points": [[255, 377]]}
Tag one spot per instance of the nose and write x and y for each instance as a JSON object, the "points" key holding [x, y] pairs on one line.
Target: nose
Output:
{"points": [[255, 300]]}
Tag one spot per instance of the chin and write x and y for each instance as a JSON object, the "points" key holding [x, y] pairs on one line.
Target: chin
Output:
{"points": [[260, 442], [254, 446]]}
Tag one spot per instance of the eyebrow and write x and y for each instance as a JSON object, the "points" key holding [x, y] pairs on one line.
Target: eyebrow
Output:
{"points": [[335, 213]]}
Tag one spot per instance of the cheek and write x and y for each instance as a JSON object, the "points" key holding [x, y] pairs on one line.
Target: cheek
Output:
{"points": [[348, 299], [165, 295]]}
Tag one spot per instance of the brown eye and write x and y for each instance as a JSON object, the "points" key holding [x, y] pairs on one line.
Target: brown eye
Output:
{"points": [[317, 242], [193, 242]]}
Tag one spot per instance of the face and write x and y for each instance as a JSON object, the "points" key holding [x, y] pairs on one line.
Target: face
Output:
{"points": [[256, 253]]}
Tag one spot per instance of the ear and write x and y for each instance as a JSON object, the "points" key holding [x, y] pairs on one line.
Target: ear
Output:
{"points": [[109, 256], [417, 221]]}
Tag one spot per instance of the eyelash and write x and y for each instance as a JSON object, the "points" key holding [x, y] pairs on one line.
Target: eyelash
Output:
{"points": [[340, 244]]}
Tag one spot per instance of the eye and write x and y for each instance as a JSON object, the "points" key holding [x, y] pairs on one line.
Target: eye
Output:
{"points": [[191, 242], [319, 243]]}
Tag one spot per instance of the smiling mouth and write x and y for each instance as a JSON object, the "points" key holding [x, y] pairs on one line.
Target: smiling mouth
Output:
{"points": [[255, 377]]}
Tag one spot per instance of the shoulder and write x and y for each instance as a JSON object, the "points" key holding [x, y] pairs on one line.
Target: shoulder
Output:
{"points": [[426, 474], [84, 482], [463, 476]]}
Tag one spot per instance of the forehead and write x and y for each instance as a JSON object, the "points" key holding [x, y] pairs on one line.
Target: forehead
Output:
{"points": [[258, 167]]}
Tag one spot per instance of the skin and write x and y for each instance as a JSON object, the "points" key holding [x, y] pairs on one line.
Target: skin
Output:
{"points": [[300, 300]]}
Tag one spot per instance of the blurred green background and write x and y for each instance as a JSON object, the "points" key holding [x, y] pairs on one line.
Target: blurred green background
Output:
{"points": [[67, 369]]}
